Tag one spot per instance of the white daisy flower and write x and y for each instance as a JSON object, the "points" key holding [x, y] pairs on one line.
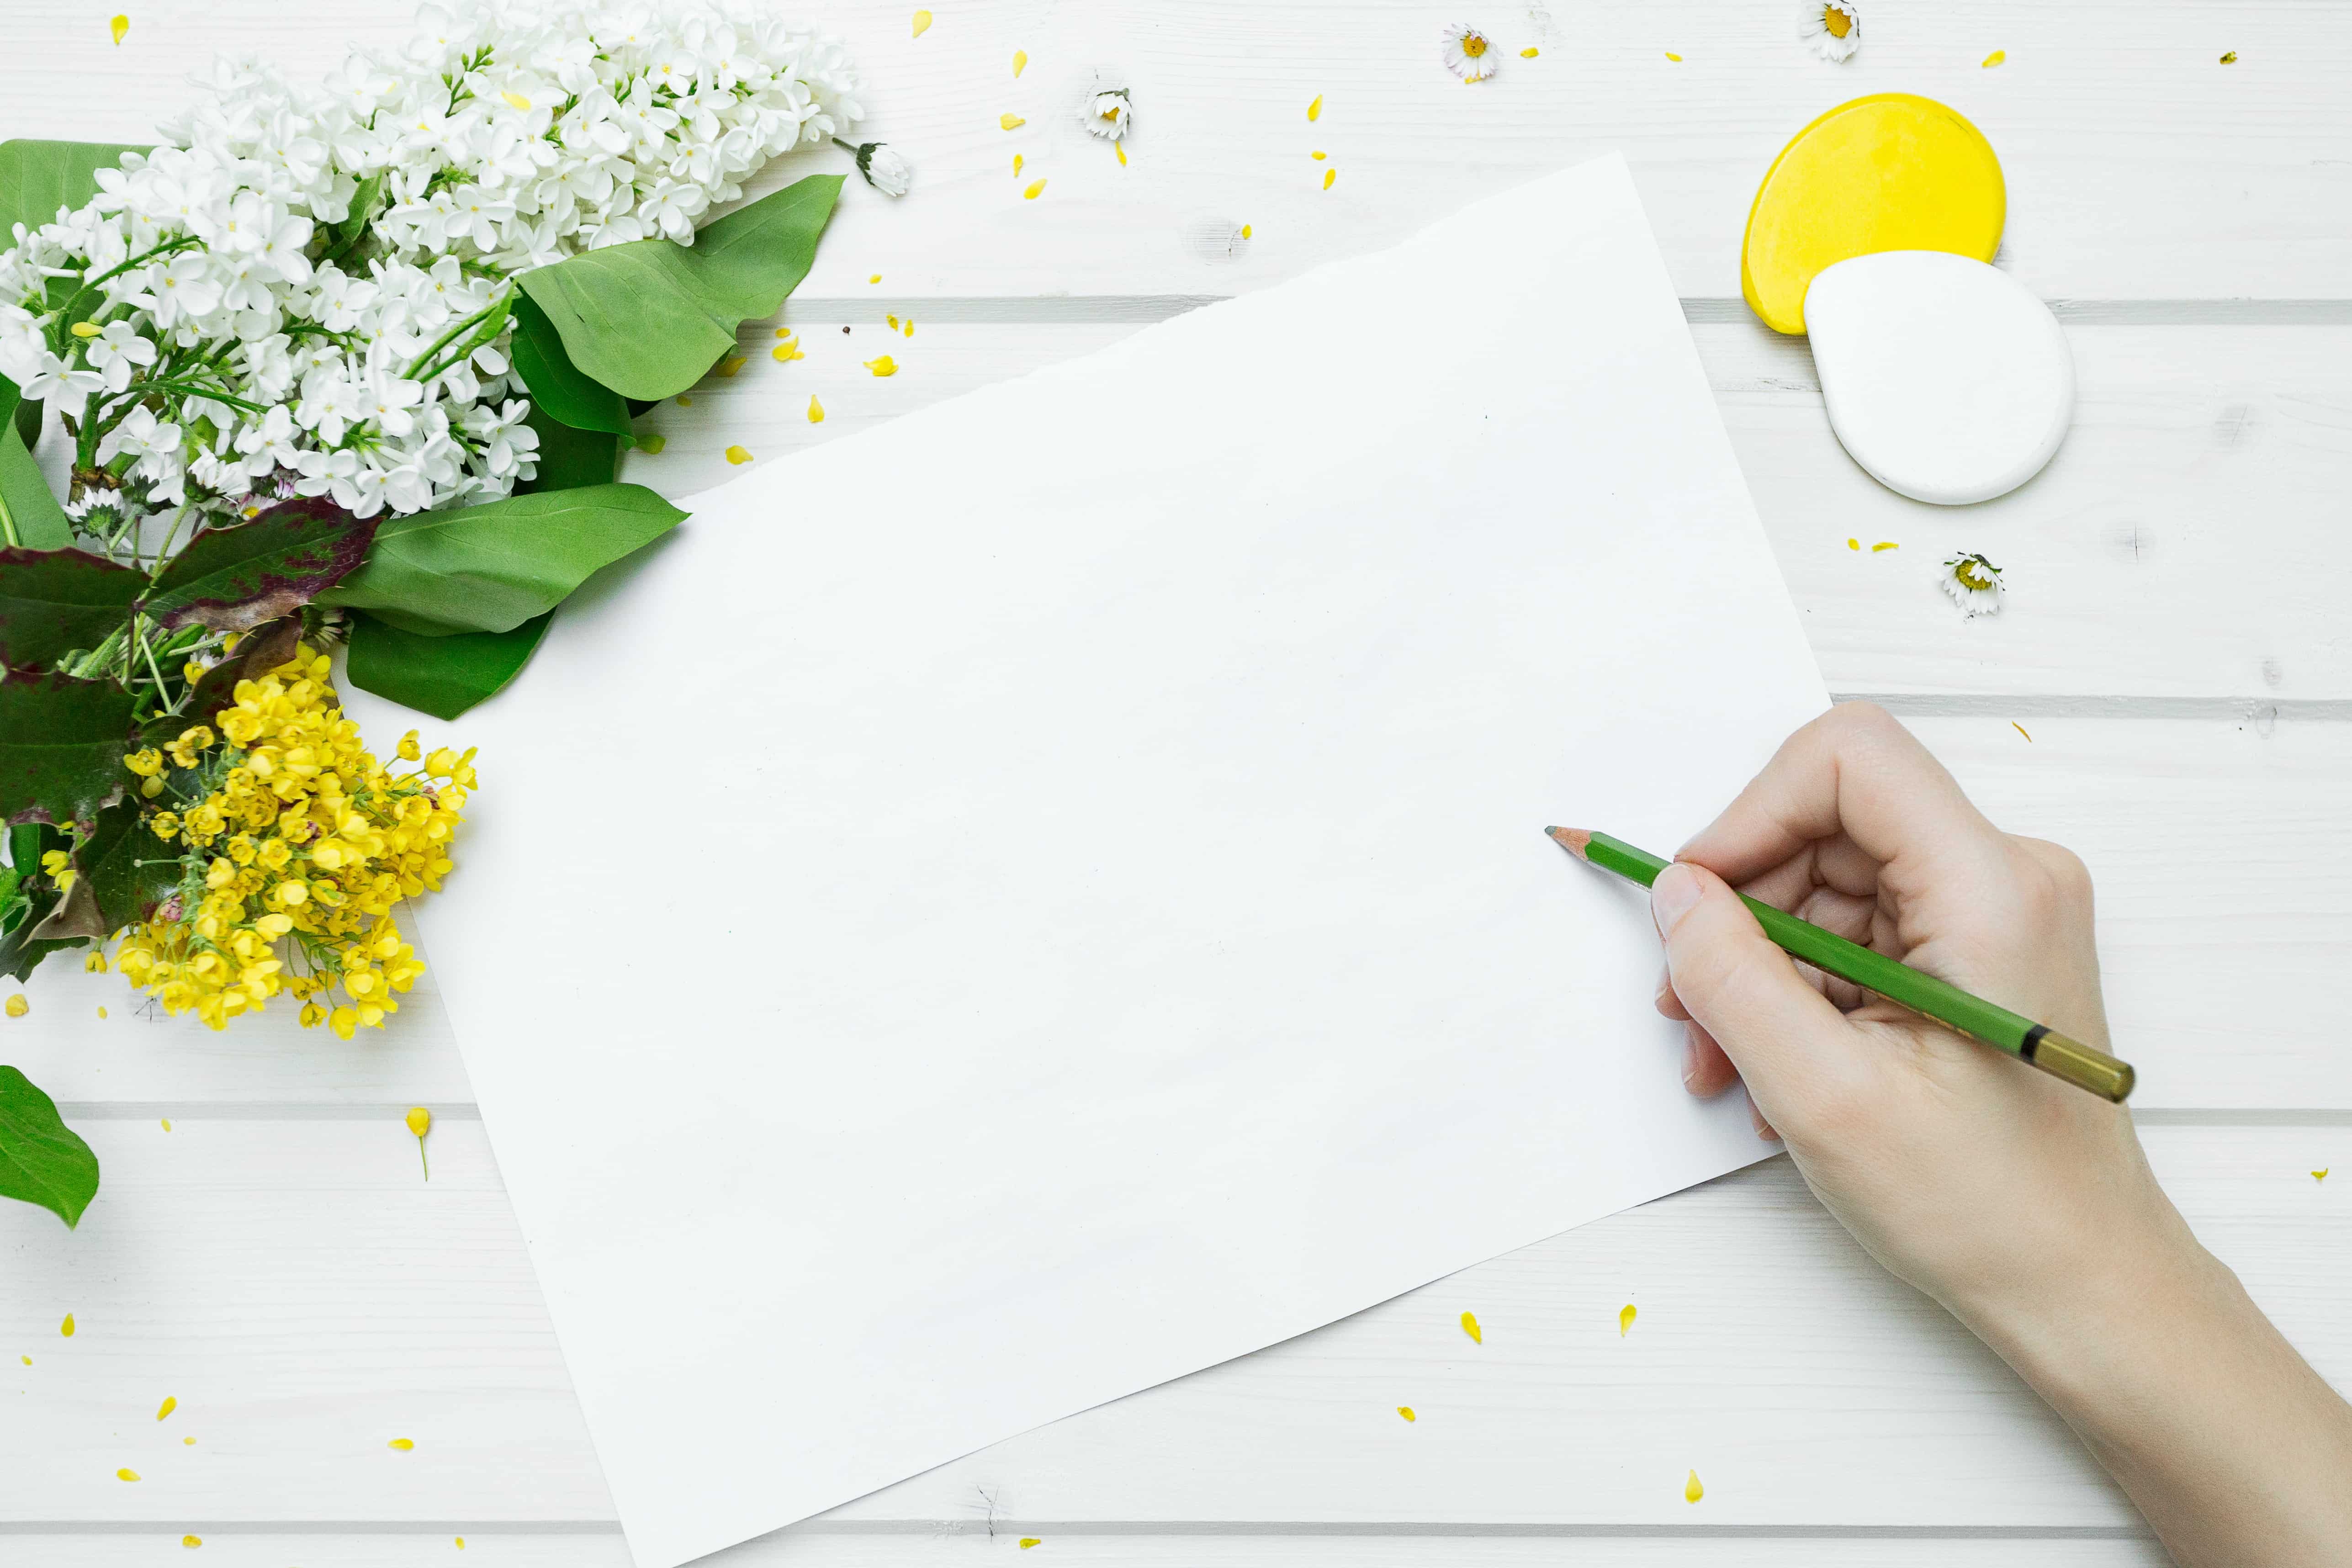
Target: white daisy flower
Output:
{"points": [[1468, 52], [1110, 114], [1973, 583], [1831, 28], [885, 167]]}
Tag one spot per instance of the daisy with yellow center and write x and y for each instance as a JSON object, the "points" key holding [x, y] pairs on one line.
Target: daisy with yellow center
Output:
{"points": [[1468, 52], [1110, 114], [1831, 28], [1973, 583]]}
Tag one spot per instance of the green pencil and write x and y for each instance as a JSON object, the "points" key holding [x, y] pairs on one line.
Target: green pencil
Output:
{"points": [[2053, 1053]]}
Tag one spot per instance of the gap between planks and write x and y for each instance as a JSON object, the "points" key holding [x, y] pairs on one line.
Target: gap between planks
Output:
{"points": [[1057, 309], [1055, 1528]]}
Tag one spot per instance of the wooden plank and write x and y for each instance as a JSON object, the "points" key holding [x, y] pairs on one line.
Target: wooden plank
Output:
{"points": [[243, 1548], [2138, 166], [305, 1297], [2222, 851]]}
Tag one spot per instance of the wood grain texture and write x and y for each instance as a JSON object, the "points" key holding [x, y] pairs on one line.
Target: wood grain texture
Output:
{"points": [[2137, 166], [305, 1297]]}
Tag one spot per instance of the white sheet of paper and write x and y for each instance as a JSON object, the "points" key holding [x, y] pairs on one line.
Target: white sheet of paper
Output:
{"points": [[1027, 903]]}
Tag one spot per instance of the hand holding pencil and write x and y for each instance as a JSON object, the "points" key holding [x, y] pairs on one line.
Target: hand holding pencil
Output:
{"points": [[2020, 1203]]}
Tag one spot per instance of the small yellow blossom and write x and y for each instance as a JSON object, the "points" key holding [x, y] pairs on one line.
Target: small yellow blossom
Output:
{"points": [[1020, 61], [816, 412], [1011, 121], [737, 455], [420, 1121], [1036, 188], [119, 25], [885, 365], [95, 963], [58, 866]]}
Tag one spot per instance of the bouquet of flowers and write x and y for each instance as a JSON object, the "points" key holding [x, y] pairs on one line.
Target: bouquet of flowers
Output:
{"points": [[352, 364]]}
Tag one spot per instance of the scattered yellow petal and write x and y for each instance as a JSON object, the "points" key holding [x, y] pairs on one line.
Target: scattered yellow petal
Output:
{"points": [[729, 366], [1036, 187], [101, 1012], [651, 445], [908, 329], [126, 1475], [816, 412], [785, 353], [1692, 1490], [1528, 53], [1319, 157], [461, 1544], [2020, 729], [2230, 59], [2319, 1175], [737, 455], [1020, 61], [922, 23], [886, 365], [1315, 110], [167, 1123], [403, 1444], [1470, 1327], [190, 1442], [1011, 121], [892, 321], [1245, 231], [29, 1360], [118, 26], [783, 332], [686, 402], [17, 1006], [168, 1406], [1120, 148], [516, 100], [1329, 175], [192, 1541], [1853, 545], [1884, 545], [1625, 1320], [1995, 58], [875, 278], [1673, 57], [1017, 161], [1406, 1411], [1029, 1541], [65, 1328]]}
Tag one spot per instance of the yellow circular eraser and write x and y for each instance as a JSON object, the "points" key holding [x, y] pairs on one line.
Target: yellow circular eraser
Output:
{"points": [[1890, 172]]}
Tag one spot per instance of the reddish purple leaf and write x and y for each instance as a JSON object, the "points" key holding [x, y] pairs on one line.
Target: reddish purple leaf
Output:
{"points": [[232, 579]]}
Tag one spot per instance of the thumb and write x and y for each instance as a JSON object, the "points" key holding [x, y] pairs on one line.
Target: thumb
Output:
{"points": [[1742, 988]]}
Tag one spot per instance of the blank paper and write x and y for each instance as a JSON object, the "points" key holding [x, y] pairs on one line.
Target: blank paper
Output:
{"points": [[1050, 894]]}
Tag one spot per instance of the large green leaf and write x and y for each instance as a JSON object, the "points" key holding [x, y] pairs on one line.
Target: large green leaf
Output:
{"points": [[126, 866], [53, 600], [29, 515], [490, 568], [569, 459], [61, 747], [41, 1159], [440, 675], [37, 178], [232, 579], [649, 319], [25, 416], [555, 383]]}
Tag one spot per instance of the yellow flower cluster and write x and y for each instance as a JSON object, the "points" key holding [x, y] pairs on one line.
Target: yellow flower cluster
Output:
{"points": [[294, 844]]}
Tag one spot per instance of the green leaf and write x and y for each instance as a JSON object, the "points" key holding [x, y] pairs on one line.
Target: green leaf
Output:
{"points": [[569, 458], [232, 579], [440, 675], [490, 568], [41, 1159], [53, 600], [29, 515], [341, 237], [649, 319], [26, 416], [61, 747], [37, 178], [555, 383], [129, 869]]}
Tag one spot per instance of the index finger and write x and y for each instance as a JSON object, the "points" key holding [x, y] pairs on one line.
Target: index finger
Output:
{"points": [[1853, 770]]}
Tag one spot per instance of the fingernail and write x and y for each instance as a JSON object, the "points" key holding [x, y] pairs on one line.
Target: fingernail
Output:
{"points": [[1671, 896], [1690, 1058]]}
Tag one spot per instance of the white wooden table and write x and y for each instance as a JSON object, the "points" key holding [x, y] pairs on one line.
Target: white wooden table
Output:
{"points": [[2178, 645]]}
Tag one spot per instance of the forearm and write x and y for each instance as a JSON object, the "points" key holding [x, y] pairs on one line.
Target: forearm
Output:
{"points": [[2236, 1451]]}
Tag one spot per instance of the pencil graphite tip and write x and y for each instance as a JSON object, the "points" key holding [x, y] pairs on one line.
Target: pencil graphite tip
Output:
{"points": [[1572, 839]]}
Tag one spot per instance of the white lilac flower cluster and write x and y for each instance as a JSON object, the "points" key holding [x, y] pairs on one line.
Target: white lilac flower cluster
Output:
{"points": [[305, 292]]}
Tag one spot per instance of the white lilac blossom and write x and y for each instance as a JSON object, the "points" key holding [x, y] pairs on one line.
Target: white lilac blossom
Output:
{"points": [[1973, 583], [1467, 51], [305, 291], [1831, 28], [1110, 114]]}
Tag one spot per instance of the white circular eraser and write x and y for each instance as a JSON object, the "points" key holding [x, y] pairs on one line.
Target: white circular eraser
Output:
{"points": [[1947, 379]]}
